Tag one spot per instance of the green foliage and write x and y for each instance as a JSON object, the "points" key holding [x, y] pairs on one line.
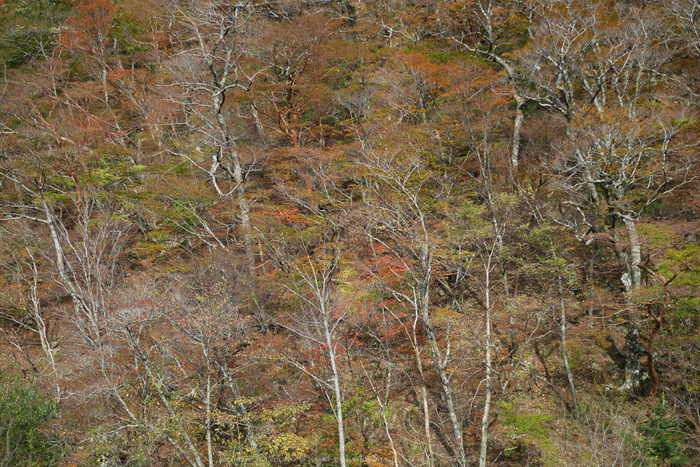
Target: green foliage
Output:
{"points": [[21, 46], [663, 439], [360, 408], [113, 169], [23, 410], [127, 30], [274, 441], [681, 258], [685, 287], [154, 244], [56, 197], [532, 426], [655, 208], [527, 428], [36, 9], [448, 56], [29, 29]]}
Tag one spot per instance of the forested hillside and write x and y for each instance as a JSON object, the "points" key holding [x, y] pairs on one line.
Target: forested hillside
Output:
{"points": [[350, 233]]}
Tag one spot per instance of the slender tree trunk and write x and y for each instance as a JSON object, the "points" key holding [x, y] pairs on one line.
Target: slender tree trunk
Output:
{"points": [[589, 277], [423, 302], [248, 240], [562, 332], [67, 282], [422, 390], [193, 458], [485, 418], [520, 100], [207, 402], [650, 357], [658, 321], [259, 127], [41, 325], [382, 408], [632, 352], [336, 388], [424, 401], [58, 249], [588, 179], [564, 354]]}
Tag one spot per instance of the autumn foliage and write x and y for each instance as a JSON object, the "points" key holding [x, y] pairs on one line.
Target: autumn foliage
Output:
{"points": [[374, 233]]}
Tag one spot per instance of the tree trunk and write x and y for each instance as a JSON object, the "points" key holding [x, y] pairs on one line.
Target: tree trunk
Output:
{"points": [[193, 458], [635, 254], [485, 421], [259, 127], [632, 352], [336, 388], [564, 355], [517, 129], [41, 325], [424, 400], [423, 302], [562, 332], [208, 404], [633, 282]]}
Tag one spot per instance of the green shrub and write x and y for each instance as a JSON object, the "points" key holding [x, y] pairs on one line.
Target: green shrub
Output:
{"points": [[23, 410], [664, 438]]}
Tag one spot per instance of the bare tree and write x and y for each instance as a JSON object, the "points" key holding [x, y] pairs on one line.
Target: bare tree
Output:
{"points": [[206, 72], [402, 223], [490, 28], [22, 304], [311, 277]]}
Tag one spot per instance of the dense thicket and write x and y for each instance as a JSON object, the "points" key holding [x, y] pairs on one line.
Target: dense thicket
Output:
{"points": [[369, 233]]}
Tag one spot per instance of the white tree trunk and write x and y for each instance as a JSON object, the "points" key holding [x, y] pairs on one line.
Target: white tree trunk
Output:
{"points": [[485, 419], [632, 281], [635, 254], [562, 333], [517, 129], [423, 302], [336, 387]]}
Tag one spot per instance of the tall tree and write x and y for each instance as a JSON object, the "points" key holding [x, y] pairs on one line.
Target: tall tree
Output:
{"points": [[406, 199], [311, 278], [293, 96], [494, 30], [204, 76]]}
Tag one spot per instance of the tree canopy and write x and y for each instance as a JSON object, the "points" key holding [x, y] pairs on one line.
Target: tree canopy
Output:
{"points": [[376, 233]]}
